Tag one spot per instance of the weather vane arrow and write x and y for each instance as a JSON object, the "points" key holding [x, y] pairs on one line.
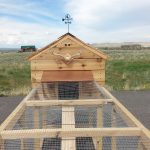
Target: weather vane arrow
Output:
{"points": [[67, 20]]}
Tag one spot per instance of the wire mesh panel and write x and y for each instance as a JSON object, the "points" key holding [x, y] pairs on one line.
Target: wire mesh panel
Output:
{"points": [[51, 144], [67, 90], [81, 143], [40, 117], [100, 116]]}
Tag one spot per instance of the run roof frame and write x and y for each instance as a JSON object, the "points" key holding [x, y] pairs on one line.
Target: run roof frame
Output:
{"points": [[6, 131]]}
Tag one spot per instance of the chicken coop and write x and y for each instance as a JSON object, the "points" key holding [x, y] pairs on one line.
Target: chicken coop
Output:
{"points": [[68, 107]]}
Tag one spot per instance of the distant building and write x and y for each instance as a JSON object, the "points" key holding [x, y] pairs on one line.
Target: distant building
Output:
{"points": [[28, 48], [131, 47]]}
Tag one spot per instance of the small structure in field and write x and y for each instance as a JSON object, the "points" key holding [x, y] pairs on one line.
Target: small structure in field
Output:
{"points": [[131, 47], [28, 48]]}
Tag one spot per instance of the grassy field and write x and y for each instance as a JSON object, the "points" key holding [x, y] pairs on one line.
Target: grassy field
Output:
{"points": [[125, 70], [128, 70], [14, 73]]}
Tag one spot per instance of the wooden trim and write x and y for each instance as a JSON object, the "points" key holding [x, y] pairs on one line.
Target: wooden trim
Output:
{"points": [[37, 142], [67, 102], [2, 144], [77, 132], [12, 118], [73, 38], [78, 64], [90, 48], [51, 45]]}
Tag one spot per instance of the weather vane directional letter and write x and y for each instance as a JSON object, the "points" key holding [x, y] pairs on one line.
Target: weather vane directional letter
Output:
{"points": [[67, 20]]}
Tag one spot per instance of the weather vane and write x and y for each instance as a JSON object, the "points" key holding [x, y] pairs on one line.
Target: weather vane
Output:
{"points": [[67, 20]]}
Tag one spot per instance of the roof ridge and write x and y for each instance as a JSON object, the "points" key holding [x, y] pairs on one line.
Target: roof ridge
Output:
{"points": [[61, 37]]}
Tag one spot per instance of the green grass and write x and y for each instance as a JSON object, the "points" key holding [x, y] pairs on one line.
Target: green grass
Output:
{"points": [[125, 70], [14, 74], [128, 70]]}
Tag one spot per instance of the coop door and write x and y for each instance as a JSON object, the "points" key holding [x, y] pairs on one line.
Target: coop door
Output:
{"points": [[68, 90]]}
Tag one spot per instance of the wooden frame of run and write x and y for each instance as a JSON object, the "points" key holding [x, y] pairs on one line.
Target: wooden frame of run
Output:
{"points": [[68, 129]]}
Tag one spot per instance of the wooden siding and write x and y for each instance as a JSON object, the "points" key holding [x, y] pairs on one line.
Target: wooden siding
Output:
{"points": [[88, 60]]}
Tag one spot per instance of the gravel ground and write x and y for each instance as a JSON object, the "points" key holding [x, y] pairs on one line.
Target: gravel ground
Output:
{"points": [[138, 102], [7, 105]]}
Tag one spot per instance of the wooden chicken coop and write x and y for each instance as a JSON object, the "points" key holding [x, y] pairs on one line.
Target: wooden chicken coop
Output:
{"points": [[68, 107]]}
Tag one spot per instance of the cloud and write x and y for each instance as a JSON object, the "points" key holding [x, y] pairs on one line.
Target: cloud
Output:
{"points": [[39, 22], [105, 20], [89, 12], [14, 34], [27, 22]]}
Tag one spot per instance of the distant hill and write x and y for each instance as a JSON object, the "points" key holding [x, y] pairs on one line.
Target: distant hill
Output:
{"points": [[109, 45], [9, 49]]}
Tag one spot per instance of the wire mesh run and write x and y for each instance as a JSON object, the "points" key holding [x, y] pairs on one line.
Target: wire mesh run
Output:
{"points": [[85, 117], [80, 143], [84, 122], [67, 90]]}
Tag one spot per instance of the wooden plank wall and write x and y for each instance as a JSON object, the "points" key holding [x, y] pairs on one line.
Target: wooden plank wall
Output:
{"points": [[87, 61]]}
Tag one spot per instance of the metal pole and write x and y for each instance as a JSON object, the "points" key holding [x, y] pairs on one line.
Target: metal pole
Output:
{"points": [[67, 20]]}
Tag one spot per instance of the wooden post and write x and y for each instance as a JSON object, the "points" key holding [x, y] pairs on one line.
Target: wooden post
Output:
{"points": [[99, 140], [2, 146], [44, 122], [23, 125], [140, 146], [90, 118], [40, 93], [144, 143], [56, 90], [23, 145], [68, 122], [44, 117], [37, 142], [80, 90], [113, 122]]}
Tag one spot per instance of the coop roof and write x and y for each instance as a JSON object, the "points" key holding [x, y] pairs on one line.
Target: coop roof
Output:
{"points": [[87, 46]]}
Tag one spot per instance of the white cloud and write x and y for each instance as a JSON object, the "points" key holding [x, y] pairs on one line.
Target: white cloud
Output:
{"points": [[15, 34], [120, 17], [92, 11], [30, 22], [26, 22]]}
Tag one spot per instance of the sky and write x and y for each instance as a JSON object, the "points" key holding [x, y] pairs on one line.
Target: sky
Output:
{"points": [[39, 22]]}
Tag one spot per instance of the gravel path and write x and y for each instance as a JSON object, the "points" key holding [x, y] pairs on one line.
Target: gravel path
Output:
{"points": [[138, 102], [7, 105]]}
